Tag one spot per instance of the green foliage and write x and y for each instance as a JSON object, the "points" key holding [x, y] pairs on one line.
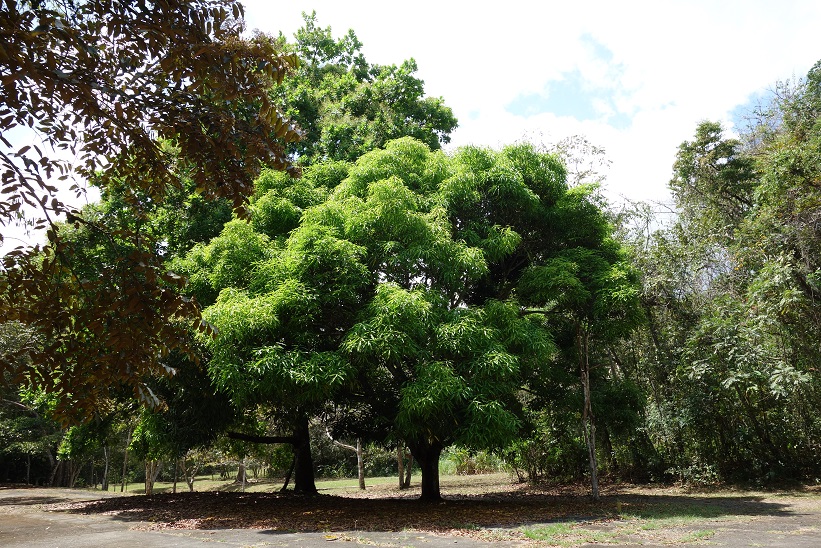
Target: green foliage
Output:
{"points": [[730, 358], [383, 300], [149, 102], [348, 107]]}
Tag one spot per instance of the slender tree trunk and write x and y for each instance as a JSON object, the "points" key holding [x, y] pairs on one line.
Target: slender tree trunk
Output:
{"points": [[289, 473], [607, 447], [149, 483], [125, 461], [189, 474], [400, 464], [106, 457], [360, 463], [242, 474], [55, 464], [74, 472], [588, 420], [152, 471], [427, 454], [408, 471]]}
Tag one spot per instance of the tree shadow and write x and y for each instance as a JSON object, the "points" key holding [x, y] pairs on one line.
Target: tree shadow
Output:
{"points": [[290, 513], [27, 495]]}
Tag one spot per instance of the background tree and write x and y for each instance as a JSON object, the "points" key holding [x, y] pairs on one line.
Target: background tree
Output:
{"points": [[730, 291], [348, 106]]}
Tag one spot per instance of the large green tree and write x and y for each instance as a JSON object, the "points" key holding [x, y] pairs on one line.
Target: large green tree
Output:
{"points": [[392, 288]]}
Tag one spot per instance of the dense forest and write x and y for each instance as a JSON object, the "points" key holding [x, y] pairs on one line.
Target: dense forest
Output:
{"points": [[354, 290]]}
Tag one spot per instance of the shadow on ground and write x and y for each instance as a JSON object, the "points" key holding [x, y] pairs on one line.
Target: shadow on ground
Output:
{"points": [[293, 513]]}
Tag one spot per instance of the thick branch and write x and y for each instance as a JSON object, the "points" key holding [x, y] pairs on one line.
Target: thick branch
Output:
{"points": [[339, 443]]}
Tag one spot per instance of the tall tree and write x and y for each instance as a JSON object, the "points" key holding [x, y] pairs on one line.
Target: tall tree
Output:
{"points": [[731, 292], [390, 288]]}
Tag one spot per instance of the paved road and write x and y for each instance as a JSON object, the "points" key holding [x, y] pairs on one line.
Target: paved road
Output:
{"points": [[24, 523]]}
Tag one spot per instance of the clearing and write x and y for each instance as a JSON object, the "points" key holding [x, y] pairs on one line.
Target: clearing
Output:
{"points": [[477, 510]]}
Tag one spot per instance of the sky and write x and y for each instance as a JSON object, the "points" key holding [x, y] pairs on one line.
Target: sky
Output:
{"points": [[632, 77]]}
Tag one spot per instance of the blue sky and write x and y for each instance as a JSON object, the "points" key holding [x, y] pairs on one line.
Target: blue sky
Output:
{"points": [[634, 77], [572, 95]]}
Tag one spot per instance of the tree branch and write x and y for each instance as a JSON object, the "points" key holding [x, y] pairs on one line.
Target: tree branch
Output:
{"points": [[339, 443], [22, 406]]}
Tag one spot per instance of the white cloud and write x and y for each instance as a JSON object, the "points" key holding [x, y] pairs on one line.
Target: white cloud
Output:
{"points": [[668, 65]]}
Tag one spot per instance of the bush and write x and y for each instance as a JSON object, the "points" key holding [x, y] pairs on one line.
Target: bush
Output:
{"points": [[461, 461]]}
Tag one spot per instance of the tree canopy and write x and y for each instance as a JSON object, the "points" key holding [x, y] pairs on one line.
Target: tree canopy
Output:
{"points": [[399, 288], [348, 106], [108, 85]]}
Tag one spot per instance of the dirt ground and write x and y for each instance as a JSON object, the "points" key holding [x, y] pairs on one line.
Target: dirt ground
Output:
{"points": [[625, 515]]}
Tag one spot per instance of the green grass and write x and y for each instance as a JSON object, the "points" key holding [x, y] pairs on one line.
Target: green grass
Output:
{"points": [[668, 522], [673, 513], [552, 532], [570, 534], [698, 536]]}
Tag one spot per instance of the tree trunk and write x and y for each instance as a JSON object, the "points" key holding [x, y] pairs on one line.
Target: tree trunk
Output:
{"points": [[288, 474], [149, 485], [400, 464], [427, 454], [106, 456], [303, 464], [304, 470], [189, 474], [607, 448], [174, 486], [152, 470], [55, 464], [74, 472], [360, 463], [408, 471], [242, 474], [125, 461], [588, 422], [404, 471]]}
